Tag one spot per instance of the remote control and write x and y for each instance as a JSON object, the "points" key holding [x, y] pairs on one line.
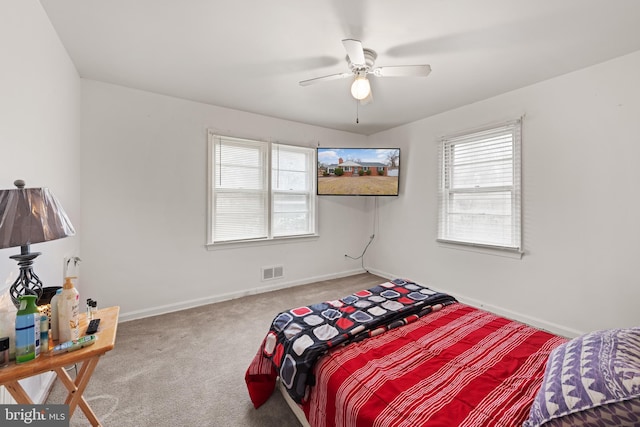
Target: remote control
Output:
{"points": [[92, 328]]}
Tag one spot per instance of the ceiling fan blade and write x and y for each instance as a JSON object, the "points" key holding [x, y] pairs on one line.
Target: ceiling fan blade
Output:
{"points": [[403, 71], [325, 78], [354, 52]]}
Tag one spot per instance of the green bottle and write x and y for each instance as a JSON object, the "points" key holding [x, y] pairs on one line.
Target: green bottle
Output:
{"points": [[27, 329]]}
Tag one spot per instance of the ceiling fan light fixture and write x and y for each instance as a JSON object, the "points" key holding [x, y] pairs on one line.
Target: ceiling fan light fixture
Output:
{"points": [[360, 88]]}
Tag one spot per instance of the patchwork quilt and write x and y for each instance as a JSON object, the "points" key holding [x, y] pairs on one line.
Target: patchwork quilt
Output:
{"points": [[298, 337]]}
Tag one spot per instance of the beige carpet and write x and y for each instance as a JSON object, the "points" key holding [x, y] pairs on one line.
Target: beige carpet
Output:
{"points": [[187, 368]]}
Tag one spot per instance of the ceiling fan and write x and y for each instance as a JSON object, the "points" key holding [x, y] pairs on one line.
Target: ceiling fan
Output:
{"points": [[361, 63]]}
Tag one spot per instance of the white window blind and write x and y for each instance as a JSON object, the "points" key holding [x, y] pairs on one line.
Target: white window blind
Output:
{"points": [[247, 203], [240, 190], [293, 190], [480, 195]]}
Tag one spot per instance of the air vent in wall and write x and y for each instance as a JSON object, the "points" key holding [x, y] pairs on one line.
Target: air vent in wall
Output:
{"points": [[274, 272]]}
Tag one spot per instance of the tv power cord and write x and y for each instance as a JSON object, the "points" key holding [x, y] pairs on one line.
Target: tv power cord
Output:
{"points": [[361, 257]]}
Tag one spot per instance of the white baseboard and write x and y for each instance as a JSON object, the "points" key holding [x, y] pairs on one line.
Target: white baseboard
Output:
{"points": [[183, 305], [48, 378], [551, 327], [37, 388]]}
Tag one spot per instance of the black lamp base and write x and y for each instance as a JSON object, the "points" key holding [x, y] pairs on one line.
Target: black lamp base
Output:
{"points": [[27, 283]]}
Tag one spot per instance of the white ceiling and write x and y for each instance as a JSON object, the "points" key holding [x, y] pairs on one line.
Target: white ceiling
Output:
{"points": [[250, 55]]}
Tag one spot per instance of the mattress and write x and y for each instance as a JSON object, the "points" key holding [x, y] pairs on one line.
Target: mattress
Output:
{"points": [[430, 361]]}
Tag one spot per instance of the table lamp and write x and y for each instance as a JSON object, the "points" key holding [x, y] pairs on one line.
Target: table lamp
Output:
{"points": [[27, 216]]}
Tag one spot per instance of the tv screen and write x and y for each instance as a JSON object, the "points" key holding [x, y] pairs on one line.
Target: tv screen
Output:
{"points": [[358, 171]]}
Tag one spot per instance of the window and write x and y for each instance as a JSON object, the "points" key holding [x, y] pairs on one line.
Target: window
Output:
{"points": [[480, 196], [259, 190]]}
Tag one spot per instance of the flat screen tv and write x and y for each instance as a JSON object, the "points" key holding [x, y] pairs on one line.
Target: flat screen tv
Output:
{"points": [[358, 171]]}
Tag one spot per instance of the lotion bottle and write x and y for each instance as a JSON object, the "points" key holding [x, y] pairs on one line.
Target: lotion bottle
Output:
{"points": [[54, 315], [68, 316]]}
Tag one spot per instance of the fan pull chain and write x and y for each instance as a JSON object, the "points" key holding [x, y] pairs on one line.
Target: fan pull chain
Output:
{"points": [[357, 111]]}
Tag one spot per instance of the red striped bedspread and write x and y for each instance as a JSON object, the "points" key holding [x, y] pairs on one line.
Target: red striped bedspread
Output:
{"points": [[459, 366]]}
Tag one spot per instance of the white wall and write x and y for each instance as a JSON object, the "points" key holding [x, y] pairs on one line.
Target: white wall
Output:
{"points": [[39, 126], [581, 210], [39, 136], [144, 198], [142, 183]]}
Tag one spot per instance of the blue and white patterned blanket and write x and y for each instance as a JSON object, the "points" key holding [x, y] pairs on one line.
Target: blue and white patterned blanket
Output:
{"points": [[591, 371]]}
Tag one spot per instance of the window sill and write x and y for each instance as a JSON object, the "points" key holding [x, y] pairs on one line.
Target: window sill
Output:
{"points": [[483, 249], [260, 242]]}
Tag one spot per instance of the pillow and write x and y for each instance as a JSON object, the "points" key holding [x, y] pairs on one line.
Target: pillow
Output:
{"points": [[589, 380]]}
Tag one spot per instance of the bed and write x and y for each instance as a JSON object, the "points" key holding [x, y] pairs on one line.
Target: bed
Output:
{"points": [[401, 354]]}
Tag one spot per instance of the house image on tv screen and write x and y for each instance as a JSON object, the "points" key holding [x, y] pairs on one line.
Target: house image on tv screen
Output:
{"points": [[351, 168], [377, 171]]}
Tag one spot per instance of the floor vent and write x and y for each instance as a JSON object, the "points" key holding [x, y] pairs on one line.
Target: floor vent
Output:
{"points": [[274, 272]]}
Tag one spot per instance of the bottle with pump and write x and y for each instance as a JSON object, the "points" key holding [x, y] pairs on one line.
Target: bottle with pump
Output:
{"points": [[68, 316], [54, 315], [27, 329]]}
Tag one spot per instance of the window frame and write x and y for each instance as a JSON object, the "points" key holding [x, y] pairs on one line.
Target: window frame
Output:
{"points": [[515, 188], [270, 192]]}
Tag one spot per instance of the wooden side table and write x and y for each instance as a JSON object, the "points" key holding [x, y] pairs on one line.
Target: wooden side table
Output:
{"points": [[87, 357]]}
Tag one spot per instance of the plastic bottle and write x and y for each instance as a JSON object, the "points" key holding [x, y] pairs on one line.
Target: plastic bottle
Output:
{"points": [[44, 333], [27, 329], [54, 315], [89, 311], [68, 306]]}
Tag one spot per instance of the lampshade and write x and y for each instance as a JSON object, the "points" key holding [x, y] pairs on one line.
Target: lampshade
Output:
{"points": [[27, 216], [31, 215], [360, 88]]}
